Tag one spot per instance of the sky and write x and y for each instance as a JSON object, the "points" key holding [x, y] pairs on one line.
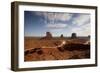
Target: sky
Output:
{"points": [[37, 23]]}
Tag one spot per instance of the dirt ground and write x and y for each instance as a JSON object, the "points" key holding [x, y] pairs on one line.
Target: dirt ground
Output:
{"points": [[40, 50]]}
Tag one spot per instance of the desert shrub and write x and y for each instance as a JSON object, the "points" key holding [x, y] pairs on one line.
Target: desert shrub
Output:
{"points": [[72, 47], [87, 54], [56, 43], [74, 57], [39, 52], [61, 49], [36, 49], [26, 52], [32, 51]]}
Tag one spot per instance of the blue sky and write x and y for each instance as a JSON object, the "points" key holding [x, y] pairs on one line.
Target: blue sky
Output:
{"points": [[37, 23]]}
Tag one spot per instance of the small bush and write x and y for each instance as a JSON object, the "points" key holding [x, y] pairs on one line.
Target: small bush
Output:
{"points": [[40, 52]]}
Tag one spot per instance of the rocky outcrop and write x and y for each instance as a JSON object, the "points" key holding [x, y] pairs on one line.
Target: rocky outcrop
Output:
{"points": [[48, 36], [61, 36], [74, 35]]}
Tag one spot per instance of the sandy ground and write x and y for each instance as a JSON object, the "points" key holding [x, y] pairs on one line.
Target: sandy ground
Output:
{"points": [[40, 50]]}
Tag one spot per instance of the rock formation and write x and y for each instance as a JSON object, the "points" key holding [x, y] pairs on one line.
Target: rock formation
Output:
{"points": [[48, 36], [73, 35], [61, 36]]}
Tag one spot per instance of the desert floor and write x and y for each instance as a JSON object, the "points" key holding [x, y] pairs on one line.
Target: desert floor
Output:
{"points": [[37, 49]]}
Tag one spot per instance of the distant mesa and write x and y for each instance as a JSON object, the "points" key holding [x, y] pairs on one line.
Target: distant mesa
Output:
{"points": [[88, 36], [61, 36], [48, 36], [73, 35]]}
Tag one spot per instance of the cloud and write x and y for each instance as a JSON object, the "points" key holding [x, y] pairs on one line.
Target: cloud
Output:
{"points": [[55, 16], [56, 26], [59, 16], [69, 23], [82, 30], [81, 19], [64, 16]]}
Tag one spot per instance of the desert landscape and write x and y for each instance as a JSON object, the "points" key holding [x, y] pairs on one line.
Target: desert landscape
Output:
{"points": [[56, 48], [56, 35]]}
